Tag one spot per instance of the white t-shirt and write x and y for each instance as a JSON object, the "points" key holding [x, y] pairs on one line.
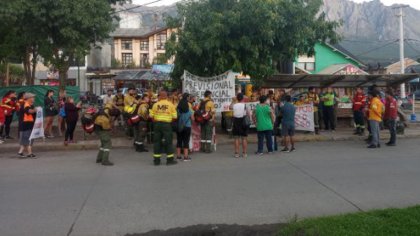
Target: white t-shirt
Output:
{"points": [[239, 110]]}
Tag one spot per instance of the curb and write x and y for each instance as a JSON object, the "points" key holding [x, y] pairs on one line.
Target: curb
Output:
{"points": [[126, 143]]}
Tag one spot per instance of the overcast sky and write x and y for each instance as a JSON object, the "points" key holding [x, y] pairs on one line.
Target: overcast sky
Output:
{"points": [[412, 3]]}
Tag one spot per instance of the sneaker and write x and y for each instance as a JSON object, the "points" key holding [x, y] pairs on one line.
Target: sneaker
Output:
{"points": [[179, 158], [259, 153], [244, 155], [292, 149], [21, 155], [187, 159], [269, 153], [285, 150], [389, 144], [31, 156], [372, 146], [1, 141], [236, 155]]}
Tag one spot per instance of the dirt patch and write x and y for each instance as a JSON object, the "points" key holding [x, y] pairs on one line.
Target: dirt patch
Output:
{"points": [[217, 230]]}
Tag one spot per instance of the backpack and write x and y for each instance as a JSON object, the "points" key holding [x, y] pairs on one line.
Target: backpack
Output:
{"points": [[201, 115], [88, 122]]}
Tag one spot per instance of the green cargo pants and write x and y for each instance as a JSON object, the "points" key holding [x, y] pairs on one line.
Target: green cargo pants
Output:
{"points": [[206, 136], [162, 140], [140, 134], [105, 148]]}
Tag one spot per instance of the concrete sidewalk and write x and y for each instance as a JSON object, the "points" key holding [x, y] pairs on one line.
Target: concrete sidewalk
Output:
{"points": [[119, 140]]}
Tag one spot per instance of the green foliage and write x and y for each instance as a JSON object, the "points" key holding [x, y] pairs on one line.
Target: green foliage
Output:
{"points": [[251, 36], [16, 73], [380, 222], [57, 30], [115, 63], [160, 59]]}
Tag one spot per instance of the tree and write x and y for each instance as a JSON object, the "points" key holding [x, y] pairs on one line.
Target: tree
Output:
{"points": [[252, 36], [59, 31], [21, 35], [72, 27]]}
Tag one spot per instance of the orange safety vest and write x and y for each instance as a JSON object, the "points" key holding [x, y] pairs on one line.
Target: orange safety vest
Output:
{"points": [[27, 117]]}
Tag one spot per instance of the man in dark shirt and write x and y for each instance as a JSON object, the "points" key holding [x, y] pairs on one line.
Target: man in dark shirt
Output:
{"points": [[27, 120], [288, 112], [390, 117]]}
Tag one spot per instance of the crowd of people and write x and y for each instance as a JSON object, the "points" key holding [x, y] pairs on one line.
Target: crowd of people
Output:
{"points": [[161, 115]]}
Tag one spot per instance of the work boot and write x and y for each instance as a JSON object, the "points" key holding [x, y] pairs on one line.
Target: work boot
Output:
{"points": [[171, 161], [207, 148], [105, 160], [156, 161], [137, 148], [356, 131], [99, 156], [142, 149]]}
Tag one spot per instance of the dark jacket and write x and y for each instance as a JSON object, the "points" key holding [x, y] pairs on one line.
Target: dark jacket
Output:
{"points": [[72, 112], [50, 107]]}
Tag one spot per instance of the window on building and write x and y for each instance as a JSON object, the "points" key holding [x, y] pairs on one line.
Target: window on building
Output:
{"points": [[309, 66], [144, 45], [161, 40], [127, 58], [144, 60], [127, 44]]}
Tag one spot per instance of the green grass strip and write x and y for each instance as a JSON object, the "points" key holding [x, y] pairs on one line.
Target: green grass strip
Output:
{"points": [[378, 222]]}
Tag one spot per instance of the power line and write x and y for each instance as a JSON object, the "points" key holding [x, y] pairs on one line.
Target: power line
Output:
{"points": [[131, 8], [368, 41], [377, 48], [411, 46]]}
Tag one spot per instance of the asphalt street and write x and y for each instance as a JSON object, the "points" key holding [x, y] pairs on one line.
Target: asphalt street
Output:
{"points": [[66, 193]]}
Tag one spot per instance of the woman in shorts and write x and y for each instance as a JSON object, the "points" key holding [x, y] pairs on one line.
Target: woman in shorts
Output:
{"points": [[240, 128]]}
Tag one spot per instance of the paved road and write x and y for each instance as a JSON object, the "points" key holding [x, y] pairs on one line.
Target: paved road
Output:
{"points": [[65, 193]]}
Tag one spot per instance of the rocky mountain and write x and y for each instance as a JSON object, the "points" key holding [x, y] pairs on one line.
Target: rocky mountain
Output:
{"points": [[370, 30]]}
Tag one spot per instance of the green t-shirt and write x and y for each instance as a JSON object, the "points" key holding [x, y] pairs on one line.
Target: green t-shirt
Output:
{"points": [[263, 116], [329, 99]]}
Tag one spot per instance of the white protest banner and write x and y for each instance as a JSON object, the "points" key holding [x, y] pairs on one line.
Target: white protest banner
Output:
{"points": [[221, 86], [250, 107], [304, 118], [38, 130]]}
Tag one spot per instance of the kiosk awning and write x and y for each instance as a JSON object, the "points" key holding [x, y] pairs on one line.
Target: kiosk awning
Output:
{"points": [[337, 81]]}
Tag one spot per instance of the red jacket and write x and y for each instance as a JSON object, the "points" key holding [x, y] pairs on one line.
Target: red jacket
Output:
{"points": [[2, 116], [391, 109], [9, 105], [359, 102]]}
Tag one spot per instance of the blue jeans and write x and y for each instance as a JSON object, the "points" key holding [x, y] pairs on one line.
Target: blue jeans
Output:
{"points": [[392, 126], [374, 130], [267, 134]]}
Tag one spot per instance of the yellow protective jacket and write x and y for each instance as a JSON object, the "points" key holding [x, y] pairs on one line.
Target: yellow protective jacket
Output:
{"points": [[129, 104], [314, 98], [103, 121], [376, 109], [143, 111], [163, 111]]}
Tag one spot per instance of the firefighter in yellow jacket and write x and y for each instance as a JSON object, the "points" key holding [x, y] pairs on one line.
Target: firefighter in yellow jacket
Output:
{"points": [[163, 113], [143, 112], [130, 104], [102, 129]]}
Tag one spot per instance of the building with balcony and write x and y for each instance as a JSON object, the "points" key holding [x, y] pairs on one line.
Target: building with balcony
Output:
{"points": [[139, 47]]}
